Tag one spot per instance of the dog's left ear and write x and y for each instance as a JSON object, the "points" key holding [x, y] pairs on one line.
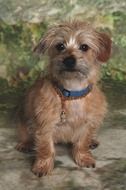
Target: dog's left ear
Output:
{"points": [[104, 47]]}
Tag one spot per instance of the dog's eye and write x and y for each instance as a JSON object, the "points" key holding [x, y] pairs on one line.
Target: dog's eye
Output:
{"points": [[60, 47], [84, 47]]}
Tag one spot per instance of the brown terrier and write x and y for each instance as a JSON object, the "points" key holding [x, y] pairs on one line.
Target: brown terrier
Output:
{"points": [[66, 105]]}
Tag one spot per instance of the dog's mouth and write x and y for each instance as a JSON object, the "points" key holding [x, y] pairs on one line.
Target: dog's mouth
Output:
{"points": [[77, 71], [70, 70]]}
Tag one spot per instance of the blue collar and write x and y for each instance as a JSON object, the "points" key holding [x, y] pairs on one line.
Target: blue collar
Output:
{"points": [[70, 94]]}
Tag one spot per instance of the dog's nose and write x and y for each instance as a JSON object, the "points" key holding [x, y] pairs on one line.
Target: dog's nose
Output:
{"points": [[69, 62]]}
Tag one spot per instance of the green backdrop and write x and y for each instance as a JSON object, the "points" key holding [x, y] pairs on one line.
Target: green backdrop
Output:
{"points": [[22, 23]]}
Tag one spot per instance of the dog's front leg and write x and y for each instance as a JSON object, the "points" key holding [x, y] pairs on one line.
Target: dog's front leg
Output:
{"points": [[81, 152], [45, 152]]}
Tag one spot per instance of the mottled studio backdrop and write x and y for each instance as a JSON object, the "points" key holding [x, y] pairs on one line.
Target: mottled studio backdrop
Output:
{"points": [[22, 22]]}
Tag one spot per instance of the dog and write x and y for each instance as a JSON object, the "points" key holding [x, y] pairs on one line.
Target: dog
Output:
{"points": [[66, 105]]}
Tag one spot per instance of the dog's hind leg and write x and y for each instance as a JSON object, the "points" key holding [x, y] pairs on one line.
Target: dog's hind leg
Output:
{"points": [[94, 144], [25, 139]]}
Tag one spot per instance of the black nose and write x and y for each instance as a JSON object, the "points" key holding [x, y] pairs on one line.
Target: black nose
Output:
{"points": [[69, 62]]}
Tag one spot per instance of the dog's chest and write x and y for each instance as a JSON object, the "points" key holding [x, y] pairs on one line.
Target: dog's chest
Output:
{"points": [[74, 112], [75, 117], [75, 108]]}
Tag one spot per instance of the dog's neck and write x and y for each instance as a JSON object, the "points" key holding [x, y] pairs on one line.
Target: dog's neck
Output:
{"points": [[74, 84]]}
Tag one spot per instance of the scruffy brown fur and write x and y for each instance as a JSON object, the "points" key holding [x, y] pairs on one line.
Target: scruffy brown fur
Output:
{"points": [[41, 124]]}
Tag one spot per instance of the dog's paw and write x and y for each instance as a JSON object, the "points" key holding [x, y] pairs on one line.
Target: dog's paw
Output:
{"points": [[43, 167], [94, 144], [84, 159], [24, 147]]}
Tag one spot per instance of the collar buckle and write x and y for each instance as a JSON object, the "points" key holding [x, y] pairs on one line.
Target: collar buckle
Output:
{"points": [[66, 93]]}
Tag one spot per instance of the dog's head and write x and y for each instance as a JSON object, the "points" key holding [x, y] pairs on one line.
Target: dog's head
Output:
{"points": [[75, 49]]}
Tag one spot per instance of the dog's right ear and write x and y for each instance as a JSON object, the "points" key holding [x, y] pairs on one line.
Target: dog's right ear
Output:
{"points": [[41, 47], [46, 41]]}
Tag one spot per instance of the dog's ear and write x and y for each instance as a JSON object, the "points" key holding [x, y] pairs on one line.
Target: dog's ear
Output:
{"points": [[104, 47], [45, 42], [41, 47]]}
